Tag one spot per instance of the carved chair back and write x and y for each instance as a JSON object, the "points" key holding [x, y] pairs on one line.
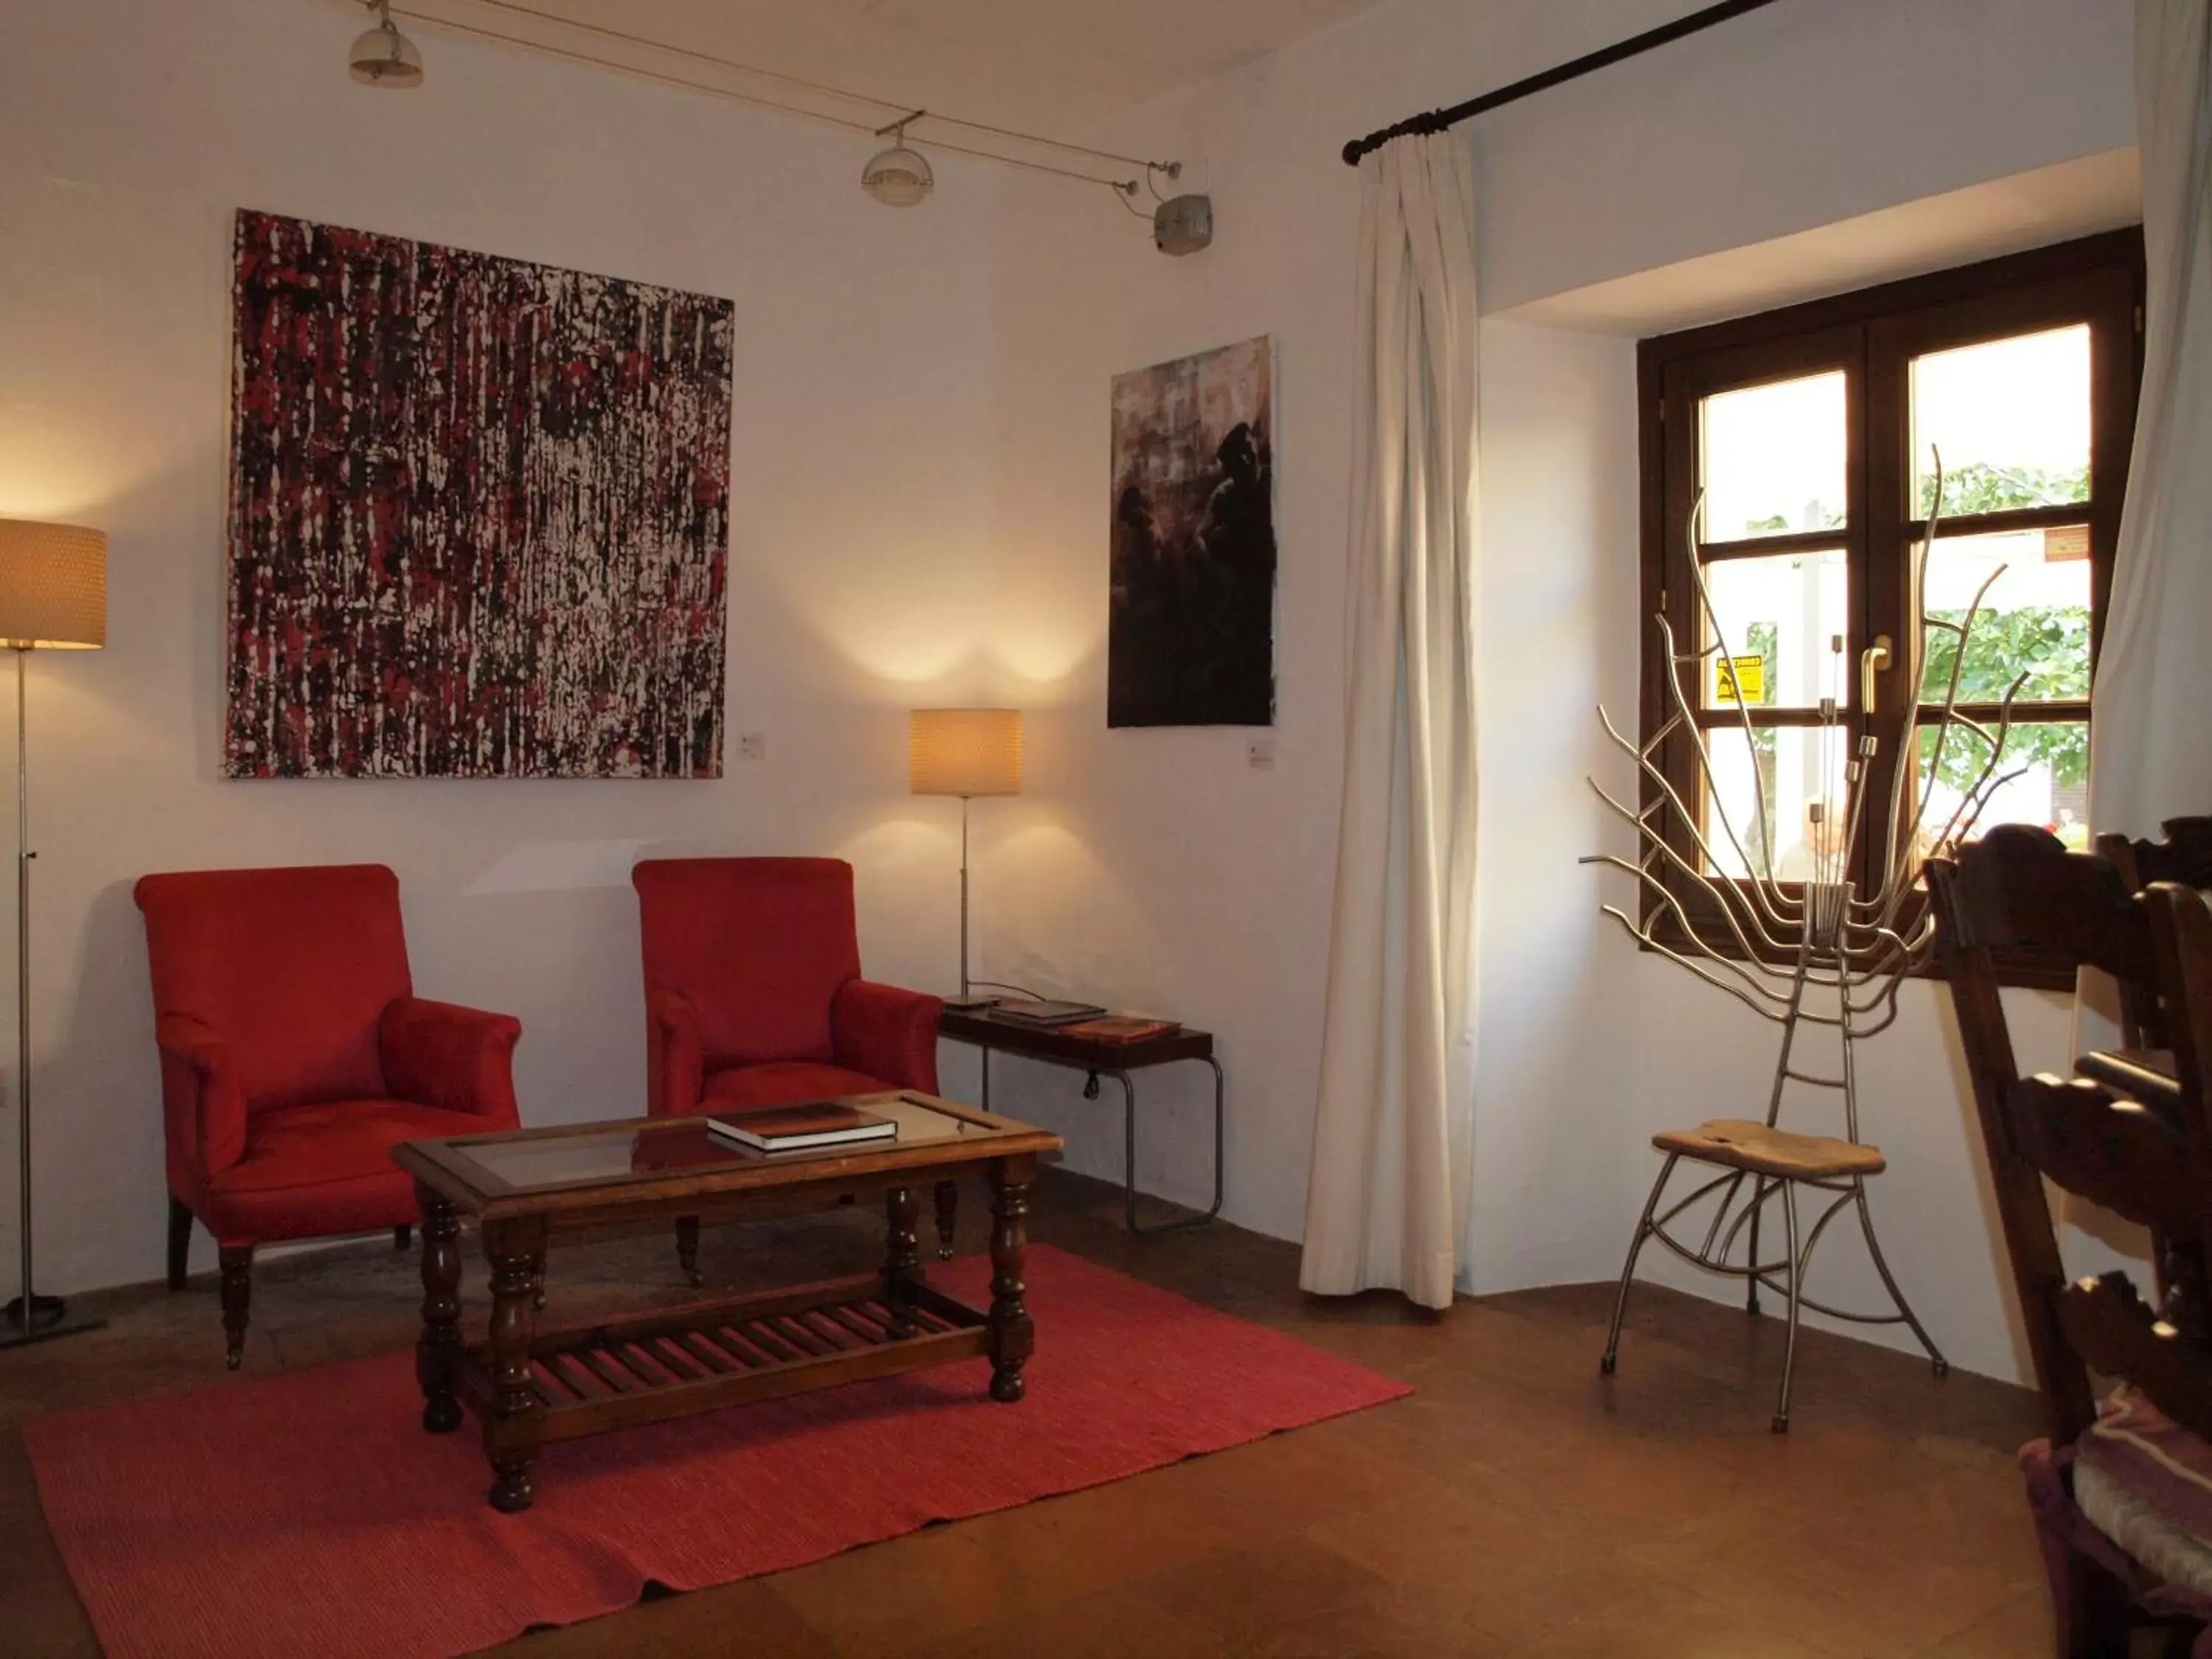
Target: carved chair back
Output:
{"points": [[2019, 887], [2184, 856], [2181, 938]]}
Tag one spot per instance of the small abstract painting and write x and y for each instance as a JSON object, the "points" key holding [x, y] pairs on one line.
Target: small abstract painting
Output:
{"points": [[479, 516], [1190, 637]]}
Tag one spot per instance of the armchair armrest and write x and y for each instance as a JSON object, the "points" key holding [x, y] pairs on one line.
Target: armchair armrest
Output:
{"points": [[204, 1103], [438, 1053], [675, 1055], [887, 1033]]}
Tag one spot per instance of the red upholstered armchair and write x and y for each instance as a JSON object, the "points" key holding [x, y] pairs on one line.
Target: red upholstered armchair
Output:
{"points": [[296, 1056], [753, 996]]}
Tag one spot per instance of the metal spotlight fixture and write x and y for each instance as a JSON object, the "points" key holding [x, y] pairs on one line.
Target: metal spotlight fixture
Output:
{"points": [[383, 56], [898, 177]]}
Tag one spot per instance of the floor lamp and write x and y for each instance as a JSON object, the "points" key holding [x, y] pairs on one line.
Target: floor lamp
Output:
{"points": [[965, 753], [53, 595]]}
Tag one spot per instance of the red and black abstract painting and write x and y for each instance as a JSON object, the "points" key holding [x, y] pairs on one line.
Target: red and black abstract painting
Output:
{"points": [[479, 516]]}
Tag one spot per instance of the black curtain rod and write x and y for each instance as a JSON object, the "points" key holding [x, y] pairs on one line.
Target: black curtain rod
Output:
{"points": [[1437, 120]]}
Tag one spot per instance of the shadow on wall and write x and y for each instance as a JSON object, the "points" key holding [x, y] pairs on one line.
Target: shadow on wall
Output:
{"points": [[96, 1093], [542, 866], [1999, 1269]]}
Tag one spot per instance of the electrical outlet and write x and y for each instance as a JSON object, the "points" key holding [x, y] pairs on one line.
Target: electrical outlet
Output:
{"points": [[1260, 753], [752, 745]]}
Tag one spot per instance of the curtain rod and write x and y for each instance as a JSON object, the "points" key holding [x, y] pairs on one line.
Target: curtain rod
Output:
{"points": [[1437, 120]]}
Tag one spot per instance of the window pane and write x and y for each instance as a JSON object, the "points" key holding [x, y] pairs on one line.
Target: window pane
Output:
{"points": [[1773, 459], [2034, 619], [1792, 767], [2052, 788], [2012, 419], [1780, 618]]}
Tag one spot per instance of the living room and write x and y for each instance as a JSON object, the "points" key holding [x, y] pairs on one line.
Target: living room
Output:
{"points": [[921, 405]]}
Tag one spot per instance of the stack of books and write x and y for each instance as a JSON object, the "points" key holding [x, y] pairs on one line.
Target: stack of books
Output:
{"points": [[811, 1125], [1040, 1011]]}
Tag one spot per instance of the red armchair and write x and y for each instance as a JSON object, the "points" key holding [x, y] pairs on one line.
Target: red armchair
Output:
{"points": [[296, 1056], [753, 998]]}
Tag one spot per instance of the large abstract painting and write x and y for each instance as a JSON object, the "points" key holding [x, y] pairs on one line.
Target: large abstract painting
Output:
{"points": [[1191, 634], [479, 515]]}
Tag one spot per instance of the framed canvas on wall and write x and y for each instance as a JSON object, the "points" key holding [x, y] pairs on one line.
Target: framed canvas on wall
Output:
{"points": [[479, 515], [1191, 629]]}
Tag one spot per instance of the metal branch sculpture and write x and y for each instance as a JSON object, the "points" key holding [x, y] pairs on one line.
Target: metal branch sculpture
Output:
{"points": [[1820, 952]]}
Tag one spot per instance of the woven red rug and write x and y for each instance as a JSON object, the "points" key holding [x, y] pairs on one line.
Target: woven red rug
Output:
{"points": [[309, 1514]]}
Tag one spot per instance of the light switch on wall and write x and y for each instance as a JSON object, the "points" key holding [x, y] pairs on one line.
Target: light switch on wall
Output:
{"points": [[1260, 753], [752, 745]]}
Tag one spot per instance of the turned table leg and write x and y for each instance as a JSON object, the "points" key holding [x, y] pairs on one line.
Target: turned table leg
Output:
{"points": [[901, 1257], [438, 1351], [948, 1218], [515, 1427], [1013, 1336]]}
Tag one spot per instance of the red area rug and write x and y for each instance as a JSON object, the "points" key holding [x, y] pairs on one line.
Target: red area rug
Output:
{"points": [[309, 1514]]}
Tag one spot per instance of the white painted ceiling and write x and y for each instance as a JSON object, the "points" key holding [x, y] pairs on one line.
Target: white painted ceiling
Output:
{"points": [[1055, 66]]}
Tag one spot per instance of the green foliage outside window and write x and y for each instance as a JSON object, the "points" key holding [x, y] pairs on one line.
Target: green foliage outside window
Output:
{"points": [[2049, 643], [1981, 488]]}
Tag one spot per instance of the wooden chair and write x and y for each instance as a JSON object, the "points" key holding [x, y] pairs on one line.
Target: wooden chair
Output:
{"points": [[2018, 888]]}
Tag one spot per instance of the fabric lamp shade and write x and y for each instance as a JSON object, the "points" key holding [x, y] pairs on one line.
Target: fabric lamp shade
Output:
{"points": [[965, 751], [53, 586]]}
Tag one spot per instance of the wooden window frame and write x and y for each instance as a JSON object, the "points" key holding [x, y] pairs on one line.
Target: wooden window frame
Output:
{"points": [[1872, 335]]}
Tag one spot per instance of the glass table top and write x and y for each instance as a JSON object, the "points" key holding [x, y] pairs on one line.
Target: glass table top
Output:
{"points": [[530, 1161]]}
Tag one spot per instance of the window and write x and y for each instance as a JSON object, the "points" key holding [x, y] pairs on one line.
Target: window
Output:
{"points": [[1812, 434]]}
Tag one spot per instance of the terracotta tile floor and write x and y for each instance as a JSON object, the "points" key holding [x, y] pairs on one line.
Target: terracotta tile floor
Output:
{"points": [[1518, 1504]]}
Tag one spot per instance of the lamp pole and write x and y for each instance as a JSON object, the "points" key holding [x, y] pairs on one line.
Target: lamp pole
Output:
{"points": [[30, 1316], [23, 1312]]}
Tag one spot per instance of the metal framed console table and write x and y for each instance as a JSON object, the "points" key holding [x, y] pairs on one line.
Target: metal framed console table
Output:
{"points": [[1114, 1060]]}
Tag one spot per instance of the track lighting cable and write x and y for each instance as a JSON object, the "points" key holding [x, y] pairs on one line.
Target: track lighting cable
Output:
{"points": [[1123, 188]]}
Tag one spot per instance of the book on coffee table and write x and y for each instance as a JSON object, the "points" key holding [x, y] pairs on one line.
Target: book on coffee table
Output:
{"points": [[794, 1129]]}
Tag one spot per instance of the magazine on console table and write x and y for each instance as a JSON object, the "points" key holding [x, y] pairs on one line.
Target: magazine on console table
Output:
{"points": [[1044, 1011]]}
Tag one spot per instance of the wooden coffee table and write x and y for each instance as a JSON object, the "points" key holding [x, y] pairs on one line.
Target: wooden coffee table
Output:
{"points": [[532, 1386]]}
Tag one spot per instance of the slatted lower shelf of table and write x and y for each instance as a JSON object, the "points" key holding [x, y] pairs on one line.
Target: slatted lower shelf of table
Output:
{"points": [[673, 1362]]}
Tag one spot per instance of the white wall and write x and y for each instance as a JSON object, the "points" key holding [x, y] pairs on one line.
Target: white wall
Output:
{"points": [[128, 135], [1156, 870]]}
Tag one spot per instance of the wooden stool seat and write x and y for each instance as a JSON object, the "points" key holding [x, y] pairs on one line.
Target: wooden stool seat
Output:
{"points": [[1737, 1143]]}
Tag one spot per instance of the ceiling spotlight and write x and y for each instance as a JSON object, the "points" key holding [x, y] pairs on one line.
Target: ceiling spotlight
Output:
{"points": [[383, 56], [897, 177]]}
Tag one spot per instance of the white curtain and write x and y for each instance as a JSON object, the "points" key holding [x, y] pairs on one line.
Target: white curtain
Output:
{"points": [[1386, 1203], [2150, 757]]}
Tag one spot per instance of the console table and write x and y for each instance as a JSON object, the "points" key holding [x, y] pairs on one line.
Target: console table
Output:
{"points": [[1057, 1047]]}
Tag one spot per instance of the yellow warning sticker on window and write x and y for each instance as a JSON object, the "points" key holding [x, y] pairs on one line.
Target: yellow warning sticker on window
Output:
{"points": [[2066, 542], [1739, 679]]}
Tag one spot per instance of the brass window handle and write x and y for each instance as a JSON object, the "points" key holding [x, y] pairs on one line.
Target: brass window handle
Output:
{"points": [[1872, 661]]}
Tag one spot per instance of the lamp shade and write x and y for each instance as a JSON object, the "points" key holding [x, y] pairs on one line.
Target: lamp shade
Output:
{"points": [[53, 586], [965, 751]]}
